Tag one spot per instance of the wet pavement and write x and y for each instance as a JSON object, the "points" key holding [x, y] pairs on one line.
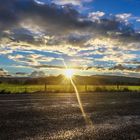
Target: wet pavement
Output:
{"points": [[57, 116]]}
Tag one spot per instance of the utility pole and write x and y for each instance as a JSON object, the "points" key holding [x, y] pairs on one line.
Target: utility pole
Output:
{"points": [[45, 87]]}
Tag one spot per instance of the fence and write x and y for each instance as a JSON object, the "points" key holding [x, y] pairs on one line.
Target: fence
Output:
{"points": [[64, 88]]}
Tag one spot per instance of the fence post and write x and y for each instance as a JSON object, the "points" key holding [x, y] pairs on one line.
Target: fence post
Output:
{"points": [[25, 89], [118, 86], [85, 88], [45, 87]]}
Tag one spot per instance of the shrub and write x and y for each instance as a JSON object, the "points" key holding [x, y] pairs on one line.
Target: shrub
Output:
{"points": [[4, 92], [126, 89]]}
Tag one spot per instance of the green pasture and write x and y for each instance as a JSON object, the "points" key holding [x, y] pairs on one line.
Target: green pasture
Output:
{"points": [[64, 88]]}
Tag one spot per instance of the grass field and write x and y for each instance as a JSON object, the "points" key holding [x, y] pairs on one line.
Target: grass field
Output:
{"points": [[64, 88], [115, 116]]}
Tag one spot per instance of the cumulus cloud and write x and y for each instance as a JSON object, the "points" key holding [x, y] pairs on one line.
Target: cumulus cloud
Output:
{"points": [[63, 67], [73, 2], [96, 15], [31, 59], [63, 2], [133, 62], [58, 19], [124, 16], [125, 68], [115, 68], [4, 73], [29, 25], [35, 74], [138, 20]]}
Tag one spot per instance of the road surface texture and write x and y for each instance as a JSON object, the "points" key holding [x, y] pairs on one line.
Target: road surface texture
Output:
{"points": [[56, 116]]}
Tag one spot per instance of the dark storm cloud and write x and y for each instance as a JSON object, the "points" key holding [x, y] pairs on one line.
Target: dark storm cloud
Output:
{"points": [[135, 62], [76, 39], [12, 12], [121, 67], [60, 19], [8, 17], [24, 35], [72, 67], [55, 67], [116, 67]]}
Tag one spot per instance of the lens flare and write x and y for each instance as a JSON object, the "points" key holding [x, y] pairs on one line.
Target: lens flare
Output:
{"points": [[69, 73], [87, 119]]}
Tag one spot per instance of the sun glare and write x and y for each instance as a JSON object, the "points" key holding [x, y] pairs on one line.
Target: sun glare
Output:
{"points": [[69, 73]]}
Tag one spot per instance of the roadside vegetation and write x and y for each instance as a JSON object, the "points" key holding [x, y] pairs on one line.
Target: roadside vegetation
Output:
{"points": [[58, 84], [15, 88]]}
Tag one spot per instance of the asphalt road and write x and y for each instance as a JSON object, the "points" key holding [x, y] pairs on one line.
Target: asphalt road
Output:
{"points": [[58, 117]]}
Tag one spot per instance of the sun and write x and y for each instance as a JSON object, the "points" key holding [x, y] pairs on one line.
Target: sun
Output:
{"points": [[69, 73]]}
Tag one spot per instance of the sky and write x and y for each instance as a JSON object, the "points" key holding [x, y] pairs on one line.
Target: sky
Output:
{"points": [[94, 37]]}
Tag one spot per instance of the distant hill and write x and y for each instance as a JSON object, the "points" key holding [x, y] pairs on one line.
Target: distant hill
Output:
{"points": [[81, 80], [108, 80]]}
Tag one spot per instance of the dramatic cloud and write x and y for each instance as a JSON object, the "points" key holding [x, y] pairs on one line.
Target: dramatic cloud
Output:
{"points": [[31, 59], [116, 67], [21, 74], [40, 34], [4, 73], [73, 2], [124, 16], [95, 16], [37, 74], [125, 68], [60, 19]]}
